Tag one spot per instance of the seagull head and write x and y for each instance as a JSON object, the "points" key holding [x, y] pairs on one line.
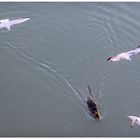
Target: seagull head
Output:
{"points": [[108, 59]]}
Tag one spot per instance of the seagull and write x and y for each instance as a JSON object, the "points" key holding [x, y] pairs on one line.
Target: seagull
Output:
{"points": [[7, 23], [134, 120], [125, 55]]}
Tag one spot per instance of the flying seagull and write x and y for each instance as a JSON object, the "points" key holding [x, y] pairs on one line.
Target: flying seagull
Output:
{"points": [[134, 120], [125, 55], [6, 23]]}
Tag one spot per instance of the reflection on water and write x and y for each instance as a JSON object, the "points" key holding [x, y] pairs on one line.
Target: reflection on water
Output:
{"points": [[47, 63]]}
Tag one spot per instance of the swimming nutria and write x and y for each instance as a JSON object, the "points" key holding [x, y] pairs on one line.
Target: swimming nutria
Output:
{"points": [[92, 106], [125, 55]]}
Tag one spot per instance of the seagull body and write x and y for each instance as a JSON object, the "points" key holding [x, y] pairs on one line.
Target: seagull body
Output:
{"points": [[134, 120], [6, 23], [125, 55]]}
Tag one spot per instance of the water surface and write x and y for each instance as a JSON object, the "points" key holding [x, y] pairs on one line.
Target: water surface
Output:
{"points": [[47, 62]]}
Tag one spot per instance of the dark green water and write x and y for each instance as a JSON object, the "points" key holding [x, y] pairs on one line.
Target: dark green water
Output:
{"points": [[47, 62]]}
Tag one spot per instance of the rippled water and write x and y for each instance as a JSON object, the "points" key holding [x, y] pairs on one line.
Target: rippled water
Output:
{"points": [[48, 61]]}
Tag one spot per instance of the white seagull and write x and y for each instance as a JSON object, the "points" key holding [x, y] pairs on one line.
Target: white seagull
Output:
{"points": [[6, 23], [125, 55], [134, 120]]}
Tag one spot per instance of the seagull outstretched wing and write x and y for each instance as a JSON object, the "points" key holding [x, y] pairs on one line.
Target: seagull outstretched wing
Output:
{"points": [[132, 123], [135, 51], [131, 53], [18, 21]]}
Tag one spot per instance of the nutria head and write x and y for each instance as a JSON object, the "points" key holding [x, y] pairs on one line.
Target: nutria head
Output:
{"points": [[97, 116]]}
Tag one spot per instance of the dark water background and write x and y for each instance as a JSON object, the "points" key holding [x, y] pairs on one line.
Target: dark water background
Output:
{"points": [[47, 62]]}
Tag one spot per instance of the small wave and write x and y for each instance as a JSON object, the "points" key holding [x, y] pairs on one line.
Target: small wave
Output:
{"points": [[26, 55]]}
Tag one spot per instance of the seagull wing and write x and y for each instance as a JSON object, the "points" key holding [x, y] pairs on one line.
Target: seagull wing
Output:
{"points": [[1, 25], [135, 51], [127, 56], [18, 21], [133, 121], [130, 53]]}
